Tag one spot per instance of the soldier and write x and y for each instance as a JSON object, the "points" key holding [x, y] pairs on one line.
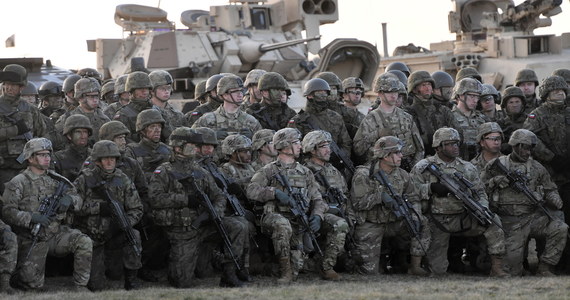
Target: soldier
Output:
{"points": [[467, 93], [447, 214], [511, 116], [108, 92], [386, 120], [8, 256], [161, 92], [251, 83], [22, 204], [520, 216], [488, 102], [429, 115], [490, 138], [263, 150], [51, 96], [138, 86], [468, 72], [199, 98], [19, 122], [527, 81], [400, 66], [277, 220], [335, 94], [228, 118], [68, 162], [91, 73], [121, 95], [443, 88], [212, 103], [87, 93], [207, 149], [335, 228], [30, 94], [176, 208], [375, 219], [564, 73], [272, 112], [237, 149], [352, 96], [70, 102], [99, 187]]}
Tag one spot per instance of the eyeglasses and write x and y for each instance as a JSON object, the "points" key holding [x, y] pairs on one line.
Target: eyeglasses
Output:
{"points": [[355, 92], [493, 138], [297, 142], [450, 143]]}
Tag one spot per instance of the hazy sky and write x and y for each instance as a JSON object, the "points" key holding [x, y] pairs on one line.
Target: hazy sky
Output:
{"points": [[65, 25]]}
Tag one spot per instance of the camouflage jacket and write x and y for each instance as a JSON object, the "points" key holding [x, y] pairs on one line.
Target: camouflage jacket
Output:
{"points": [[128, 115], [68, 162], [509, 123], [112, 109], [333, 176], [149, 154], [551, 124], [173, 117], [97, 119], [240, 174], [352, 118], [198, 112], [467, 127], [271, 116], [232, 123]]}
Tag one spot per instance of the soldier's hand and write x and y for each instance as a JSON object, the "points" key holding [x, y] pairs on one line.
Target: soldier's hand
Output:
{"points": [[500, 181], [38, 218], [221, 134], [282, 197], [315, 223], [22, 127], [555, 202], [439, 189], [247, 132], [64, 203], [104, 209]]}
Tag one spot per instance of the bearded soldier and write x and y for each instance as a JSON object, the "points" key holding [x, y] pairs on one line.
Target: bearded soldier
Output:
{"points": [[272, 112], [511, 116], [42, 233]]}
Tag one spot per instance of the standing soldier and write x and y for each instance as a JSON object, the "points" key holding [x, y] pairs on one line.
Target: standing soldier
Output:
{"points": [[372, 201], [490, 138], [213, 100], [108, 94], [68, 162], [335, 227], [443, 88], [263, 150], [122, 97], [161, 92], [278, 221], [386, 120], [109, 199], [176, 188], [520, 215], [19, 122], [70, 103], [51, 97], [447, 213], [251, 83], [30, 94], [511, 116], [490, 97], [138, 86], [352, 96], [39, 232], [335, 94], [199, 98], [467, 93], [8, 256], [272, 112], [527, 81]]}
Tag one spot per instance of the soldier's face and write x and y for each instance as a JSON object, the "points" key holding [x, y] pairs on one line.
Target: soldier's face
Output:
{"points": [[40, 160], [152, 132], [163, 92], [275, 95], [394, 159], [141, 94], [11, 89], [294, 149], [528, 87], [31, 99], [190, 150], [242, 156], [470, 101], [487, 103], [556, 95], [234, 96], [54, 101], [514, 105], [389, 99], [320, 96], [124, 97], [269, 149], [121, 142], [333, 96], [424, 90], [107, 164], [90, 101], [492, 142], [79, 137], [522, 152], [207, 150], [323, 151], [353, 95], [254, 92], [449, 149]]}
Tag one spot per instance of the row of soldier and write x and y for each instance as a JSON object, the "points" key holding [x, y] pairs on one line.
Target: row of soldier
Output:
{"points": [[231, 127]]}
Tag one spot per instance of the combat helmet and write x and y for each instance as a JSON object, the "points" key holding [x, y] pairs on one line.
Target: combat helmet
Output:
{"points": [[209, 136], [417, 78], [77, 121], [400, 66], [550, 84], [402, 90], [316, 84], [490, 90], [35, 145], [273, 80], [401, 76], [105, 148], [444, 134], [112, 129], [227, 83], [212, 82], [285, 136], [331, 78], [314, 138], [160, 77], [50, 88], [488, 127], [526, 75], [564, 73], [387, 83], [468, 72], [137, 80], [108, 87], [147, 117], [235, 142], [386, 145], [200, 90], [90, 72], [86, 85], [467, 85], [510, 92], [120, 84], [69, 83], [442, 79], [15, 74], [352, 82], [30, 89], [523, 136], [261, 137], [183, 135], [253, 77]]}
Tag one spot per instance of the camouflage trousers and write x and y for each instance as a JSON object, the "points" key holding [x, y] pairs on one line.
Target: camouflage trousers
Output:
{"points": [[368, 238], [286, 237], [185, 241], [460, 225], [536, 225], [30, 273], [335, 229], [8, 249]]}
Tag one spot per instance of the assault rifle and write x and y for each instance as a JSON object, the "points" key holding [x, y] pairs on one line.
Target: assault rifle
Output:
{"points": [[48, 207], [119, 215], [400, 206], [7, 113], [191, 178], [462, 189], [298, 209]]}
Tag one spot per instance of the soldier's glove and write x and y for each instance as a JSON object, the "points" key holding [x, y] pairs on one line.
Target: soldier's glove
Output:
{"points": [[247, 132], [439, 189], [315, 223], [500, 181], [554, 202], [38, 218], [235, 189], [283, 198], [193, 201], [221, 134], [22, 127], [104, 209], [64, 203]]}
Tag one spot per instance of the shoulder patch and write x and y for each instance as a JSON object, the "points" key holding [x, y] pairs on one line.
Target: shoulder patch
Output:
{"points": [[157, 171], [196, 113], [86, 163], [532, 116], [291, 121]]}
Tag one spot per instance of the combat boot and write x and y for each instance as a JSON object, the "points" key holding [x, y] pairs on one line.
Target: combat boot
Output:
{"points": [[81, 289], [330, 275], [416, 266], [544, 269], [243, 275], [131, 281], [286, 272], [5, 284], [497, 267], [229, 278]]}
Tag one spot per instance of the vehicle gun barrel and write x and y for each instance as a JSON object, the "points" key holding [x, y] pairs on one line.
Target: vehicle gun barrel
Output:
{"points": [[250, 52]]}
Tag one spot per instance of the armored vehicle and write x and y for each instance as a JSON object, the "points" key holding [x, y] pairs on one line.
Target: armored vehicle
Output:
{"points": [[38, 71]]}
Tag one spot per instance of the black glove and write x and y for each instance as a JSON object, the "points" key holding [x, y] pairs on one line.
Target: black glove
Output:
{"points": [[235, 189], [439, 189], [104, 209], [247, 132], [221, 134], [38, 218], [283, 198], [315, 223], [64, 203], [22, 127], [193, 201]]}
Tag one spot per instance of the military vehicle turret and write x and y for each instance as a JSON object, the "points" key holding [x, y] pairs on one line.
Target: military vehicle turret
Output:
{"points": [[39, 72], [234, 38], [497, 38]]}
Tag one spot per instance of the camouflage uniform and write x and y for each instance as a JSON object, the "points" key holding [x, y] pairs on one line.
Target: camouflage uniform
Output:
{"points": [[240, 122], [174, 118], [467, 127], [198, 112], [271, 116], [128, 116], [8, 255], [510, 121], [149, 154], [112, 109], [97, 119]]}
